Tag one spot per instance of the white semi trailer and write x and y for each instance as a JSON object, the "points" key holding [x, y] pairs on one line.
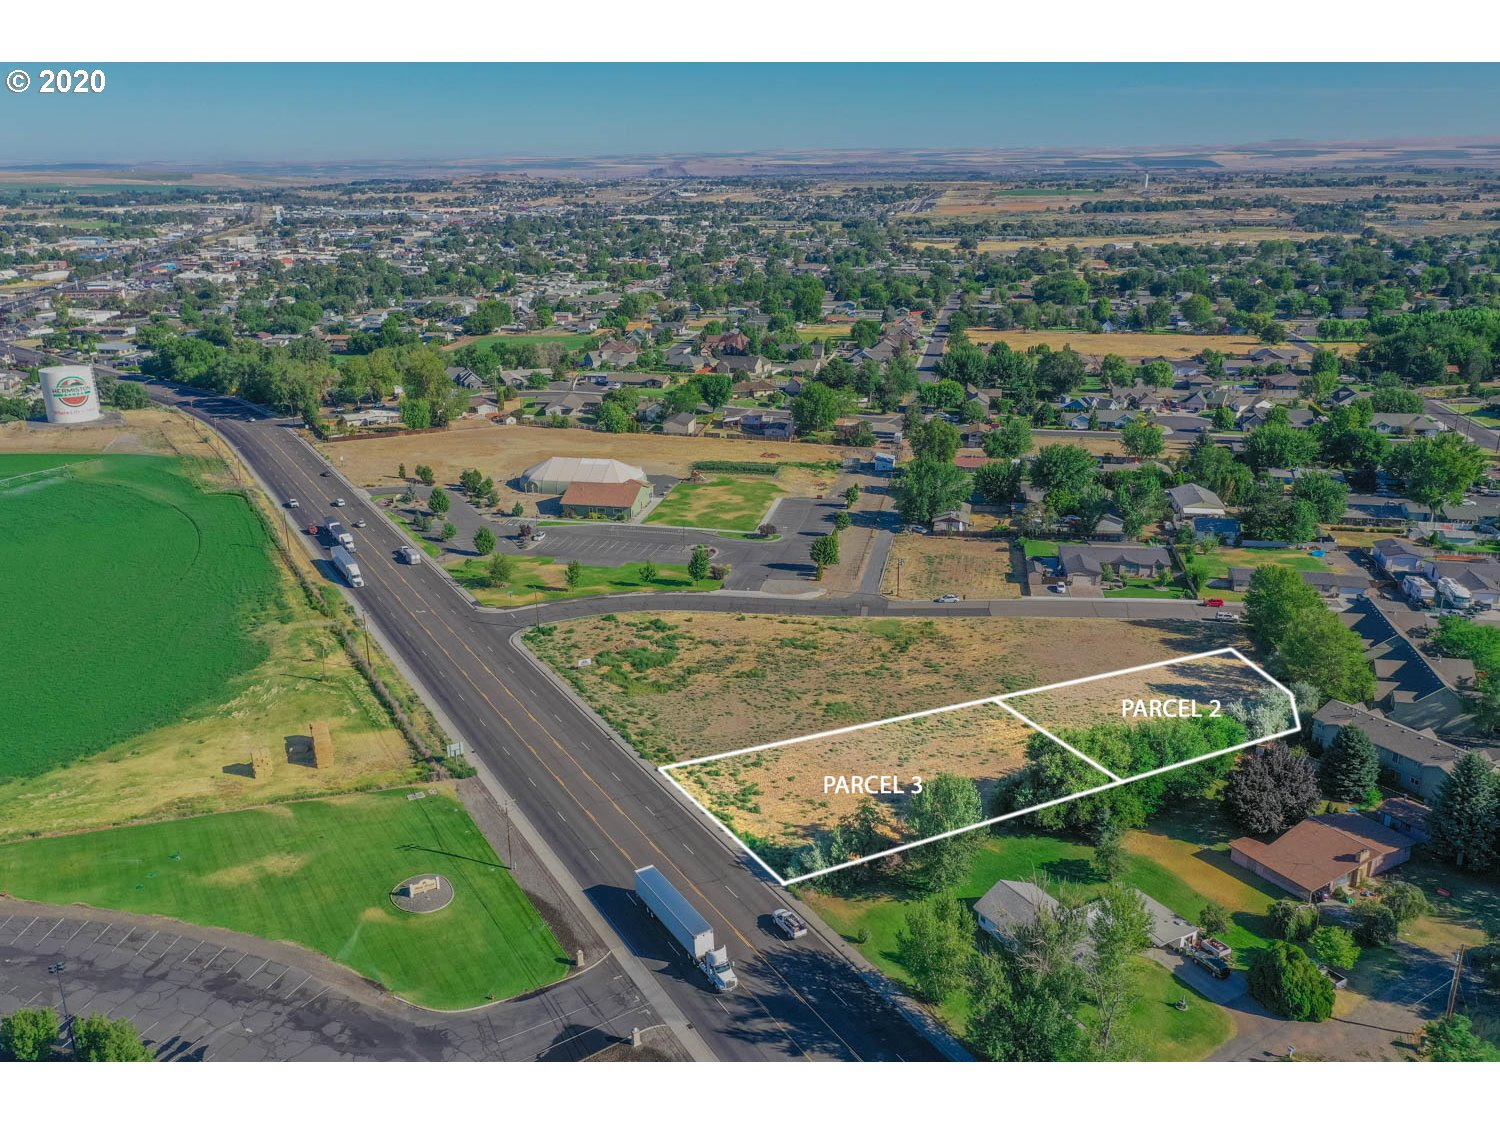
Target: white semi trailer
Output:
{"points": [[347, 566], [665, 903]]}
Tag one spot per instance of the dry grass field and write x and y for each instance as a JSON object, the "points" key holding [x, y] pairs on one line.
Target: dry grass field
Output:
{"points": [[144, 431], [930, 567], [1248, 234], [1221, 678], [503, 452], [1127, 345], [785, 795], [680, 686]]}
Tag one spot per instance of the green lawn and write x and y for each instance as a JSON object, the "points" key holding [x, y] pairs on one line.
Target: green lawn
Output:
{"points": [[1042, 548], [730, 503], [1146, 588], [1063, 867], [126, 556], [319, 874], [543, 578]]}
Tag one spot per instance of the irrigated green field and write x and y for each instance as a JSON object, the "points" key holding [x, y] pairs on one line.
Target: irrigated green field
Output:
{"points": [[319, 873], [129, 597], [731, 503]]}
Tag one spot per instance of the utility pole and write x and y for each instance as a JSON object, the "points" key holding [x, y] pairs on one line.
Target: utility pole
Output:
{"points": [[364, 620], [898, 578], [1458, 969], [57, 969]]}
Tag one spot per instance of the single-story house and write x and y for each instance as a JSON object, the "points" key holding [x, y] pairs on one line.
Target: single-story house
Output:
{"points": [[1323, 853], [684, 423], [1169, 930], [949, 522], [1405, 816], [1194, 500], [610, 501], [1398, 556], [1225, 529], [1011, 905], [1084, 566], [1109, 529], [1414, 425], [374, 416]]}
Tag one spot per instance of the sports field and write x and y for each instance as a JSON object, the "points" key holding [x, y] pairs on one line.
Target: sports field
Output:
{"points": [[131, 594], [319, 873], [729, 503]]}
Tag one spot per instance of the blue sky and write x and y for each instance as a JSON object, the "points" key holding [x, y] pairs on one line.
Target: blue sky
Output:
{"points": [[191, 113]]}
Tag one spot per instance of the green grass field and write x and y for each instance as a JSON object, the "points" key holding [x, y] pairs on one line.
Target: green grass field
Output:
{"points": [[319, 874], [17, 468], [568, 341], [126, 556], [543, 578], [730, 503]]}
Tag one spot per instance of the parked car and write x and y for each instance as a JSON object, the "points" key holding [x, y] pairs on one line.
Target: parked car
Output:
{"points": [[1212, 603], [947, 599], [538, 536], [1224, 615], [292, 503]]}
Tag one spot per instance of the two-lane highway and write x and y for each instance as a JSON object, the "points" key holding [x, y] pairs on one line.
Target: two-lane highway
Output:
{"points": [[601, 811]]}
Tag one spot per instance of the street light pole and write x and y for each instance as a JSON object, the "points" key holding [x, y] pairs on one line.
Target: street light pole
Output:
{"points": [[56, 969]]}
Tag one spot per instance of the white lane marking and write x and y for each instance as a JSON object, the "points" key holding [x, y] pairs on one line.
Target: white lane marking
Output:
{"points": [[122, 940], [48, 934], [212, 959], [190, 952], [29, 924]]}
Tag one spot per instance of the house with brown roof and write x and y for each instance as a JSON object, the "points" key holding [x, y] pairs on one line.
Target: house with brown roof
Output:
{"points": [[598, 500], [1319, 855]]}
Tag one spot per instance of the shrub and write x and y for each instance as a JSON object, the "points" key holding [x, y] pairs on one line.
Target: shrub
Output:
{"points": [[1335, 946], [1284, 979], [1374, 924], [1405, 900], [1293, 921]]}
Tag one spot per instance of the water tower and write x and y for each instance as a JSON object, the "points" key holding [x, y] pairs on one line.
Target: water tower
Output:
{"points": [[69, 394]]}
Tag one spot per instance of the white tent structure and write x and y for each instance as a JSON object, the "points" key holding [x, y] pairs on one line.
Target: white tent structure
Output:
{"points": [[556, 474]]}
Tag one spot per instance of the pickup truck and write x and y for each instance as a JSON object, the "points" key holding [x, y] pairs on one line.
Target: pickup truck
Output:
{"points": [[789, 923]]}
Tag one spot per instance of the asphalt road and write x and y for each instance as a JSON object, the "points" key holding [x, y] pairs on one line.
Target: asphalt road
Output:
{"points": [[601, 811], [1482, 436]]}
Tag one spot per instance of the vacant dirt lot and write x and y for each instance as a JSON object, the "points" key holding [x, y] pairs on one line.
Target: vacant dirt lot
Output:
{"points": [[1127, 345], [784, 795], [503, 452], [681, 686], [931, 566]]}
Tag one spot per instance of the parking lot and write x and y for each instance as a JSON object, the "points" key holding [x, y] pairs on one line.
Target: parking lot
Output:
{"points": [[198, 994]]}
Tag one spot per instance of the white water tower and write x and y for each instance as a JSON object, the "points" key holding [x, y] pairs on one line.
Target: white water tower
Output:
{"points": [[69, 394]]}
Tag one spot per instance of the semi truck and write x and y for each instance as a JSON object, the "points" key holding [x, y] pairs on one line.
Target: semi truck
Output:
{"points": [[688, 929], [347, 566], [340, 535]]}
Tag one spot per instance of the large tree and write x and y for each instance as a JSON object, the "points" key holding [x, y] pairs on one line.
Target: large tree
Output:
{"points": [[1464, 814], [28, 1035], [1271, 788], [1010, 440], [935, 945], [1120, 929], [1063, 469], [947, 802], [928, 488], [1437, 471], [1142, 437], [1350, 766], [101, 1039]]}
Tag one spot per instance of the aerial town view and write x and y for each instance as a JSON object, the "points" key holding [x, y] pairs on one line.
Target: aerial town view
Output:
{"points": [[697, 598]]}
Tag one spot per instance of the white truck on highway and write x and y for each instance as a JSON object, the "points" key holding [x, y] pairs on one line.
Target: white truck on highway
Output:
{"points": [[340, 535], [665, 903], [347, 566]]}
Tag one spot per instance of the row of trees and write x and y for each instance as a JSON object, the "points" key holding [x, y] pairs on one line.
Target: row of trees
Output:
{"points": [[31, 1035]]}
